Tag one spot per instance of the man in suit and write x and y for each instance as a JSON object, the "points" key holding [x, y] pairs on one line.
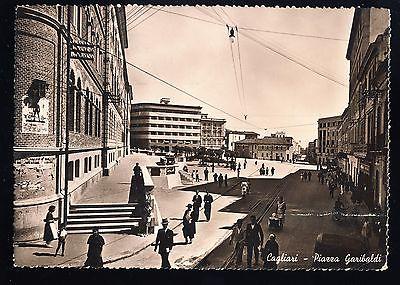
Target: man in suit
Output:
{"points": [[197, 200], [254, 238], [208, 199], [164, 242]]}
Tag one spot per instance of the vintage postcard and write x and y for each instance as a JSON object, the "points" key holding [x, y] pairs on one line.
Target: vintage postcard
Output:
{"points": [[201, 137]]}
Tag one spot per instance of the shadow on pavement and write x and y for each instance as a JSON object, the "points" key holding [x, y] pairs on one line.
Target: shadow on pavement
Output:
{"points": [[43, 254], [31, 244]]}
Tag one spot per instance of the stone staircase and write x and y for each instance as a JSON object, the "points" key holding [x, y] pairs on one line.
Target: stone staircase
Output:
{"points": [[186, 178], [107, 217]]}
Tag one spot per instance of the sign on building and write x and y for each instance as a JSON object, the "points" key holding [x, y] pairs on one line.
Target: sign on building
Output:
{"points": [[35, 109], [82, 51]]}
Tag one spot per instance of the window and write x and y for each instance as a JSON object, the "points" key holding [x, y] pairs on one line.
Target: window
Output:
{"points": [[70, 171], [77, 168], [91, 115], [85, 165], [90, 163], [78, 112], [71, 105], [87, 112]]}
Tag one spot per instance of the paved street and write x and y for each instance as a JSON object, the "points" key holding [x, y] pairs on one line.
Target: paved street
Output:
{"points": [[305, 200]]}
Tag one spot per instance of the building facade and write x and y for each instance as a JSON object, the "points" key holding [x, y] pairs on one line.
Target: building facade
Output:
{"points": [[93, 132], [327, 147], [272, 148], [364, 129], [232, 136], [212, 134], [311, 153], [165, 126]]}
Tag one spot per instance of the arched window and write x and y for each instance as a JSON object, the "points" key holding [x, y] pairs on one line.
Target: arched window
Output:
{"points": [[78, 108], [71, 101]]}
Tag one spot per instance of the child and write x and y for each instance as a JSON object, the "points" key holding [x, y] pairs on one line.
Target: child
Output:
{"points": [[62, 236]]}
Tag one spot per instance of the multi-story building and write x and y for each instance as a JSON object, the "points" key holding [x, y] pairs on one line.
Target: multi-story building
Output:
{"points": [[311, 153], [165, 126], [364, 131], [92, 135], [232, 136], [212, 132], [327, 139], [272, 148]]}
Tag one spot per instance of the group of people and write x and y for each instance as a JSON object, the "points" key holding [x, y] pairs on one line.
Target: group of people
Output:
{"points": [[305, 175], [220, 178], [265, 170], [95, 240], [253, 238]]}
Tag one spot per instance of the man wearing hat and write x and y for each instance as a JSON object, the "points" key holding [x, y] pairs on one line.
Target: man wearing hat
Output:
{"points": [[197, 200], [254, 238], [188, 224], [164, 242], [270, 253]]}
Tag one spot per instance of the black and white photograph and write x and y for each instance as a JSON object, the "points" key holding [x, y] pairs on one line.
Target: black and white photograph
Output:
{"points": [[201, 137]]}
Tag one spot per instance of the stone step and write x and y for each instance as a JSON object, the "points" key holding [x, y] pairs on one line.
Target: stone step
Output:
{"points": [[74, 221], [99, 214], [102, 205], [89, 231], [102, 225], [102, 209]]}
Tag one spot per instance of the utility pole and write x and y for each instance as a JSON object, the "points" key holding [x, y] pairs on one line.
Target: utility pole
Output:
{"points": [[67, 110], [104, 157]]}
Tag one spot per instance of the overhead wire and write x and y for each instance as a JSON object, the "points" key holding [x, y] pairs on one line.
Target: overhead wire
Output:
{"points": [[144, 19], [135, 13], [138, 16]]}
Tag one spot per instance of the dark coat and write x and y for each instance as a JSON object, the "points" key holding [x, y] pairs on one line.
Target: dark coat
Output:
{"points": [[48, 234], [164, 240], [188, 228], [208, 199], [197, 200], [255, 235], [94, 258]]}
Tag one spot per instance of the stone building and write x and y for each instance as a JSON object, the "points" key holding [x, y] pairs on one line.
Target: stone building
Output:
{"points": [[165, 126], [327, 143], [212, 132], [272, 148], [364, 128], [97, 125], [232, 136], [311, 152]]}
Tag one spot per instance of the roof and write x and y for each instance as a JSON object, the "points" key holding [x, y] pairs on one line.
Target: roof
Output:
{"points": [[268, 140], [333, 118], [241, 132], [150, 104]]}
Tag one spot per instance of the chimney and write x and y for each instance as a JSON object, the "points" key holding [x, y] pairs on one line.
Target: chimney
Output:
{"points": [[165, 101]]}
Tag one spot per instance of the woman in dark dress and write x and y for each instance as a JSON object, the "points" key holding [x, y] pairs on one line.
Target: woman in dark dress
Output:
{"points": [[95, 242], [187, 224], [49, 227]]}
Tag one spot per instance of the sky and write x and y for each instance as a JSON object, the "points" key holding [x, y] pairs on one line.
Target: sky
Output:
{"points": [[279, 95]]}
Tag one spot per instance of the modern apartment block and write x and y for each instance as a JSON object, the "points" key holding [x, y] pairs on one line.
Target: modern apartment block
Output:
{"points": [[165, 126]]}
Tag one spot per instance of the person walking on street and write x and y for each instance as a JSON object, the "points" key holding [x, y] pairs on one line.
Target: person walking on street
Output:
{"points": [[266, 171], [96, 243], [50, 231], [270, 253], [366, 233], [272, 171], [254, 238], [301, 176], [244, 164], [62, 236], [215, 177], [281, 211], [208, 199], [197, 176], [238, 172], [212, 167], [164, 242], [331, 188], [197, 200], [206, 174], [309, 176], [255, 162], [238, 240], [187, 224], [226, 180], [220, 180], [137, 171]]}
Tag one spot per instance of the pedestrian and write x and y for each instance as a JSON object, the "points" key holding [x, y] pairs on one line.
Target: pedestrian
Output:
{"points": [[309, 176], [197, 176], [197, 200], [238, 240], [137, 170], [301, 176], [238, 165], [238, 172], [331, 189], [206, 174], [187, 224], [208, 199], [220, 180], [254, 238], [62, 236], [212, 167], [322, 178], [193, 174], [270, 253], [244, 164], [164, 242], [366, 233], [50, 231], [319, 176], [96, 243], [272, 171], [226, 180], [256, 162], [281, 211], [215, 177], [266, 171]]}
